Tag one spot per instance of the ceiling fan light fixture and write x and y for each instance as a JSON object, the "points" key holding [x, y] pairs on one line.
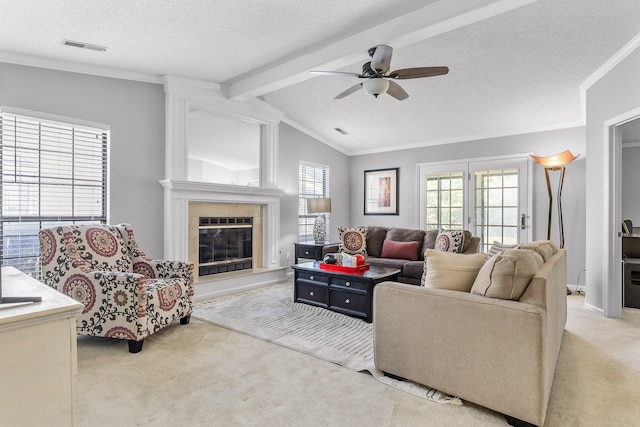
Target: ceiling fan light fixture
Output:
{"points": [[376, 86]]}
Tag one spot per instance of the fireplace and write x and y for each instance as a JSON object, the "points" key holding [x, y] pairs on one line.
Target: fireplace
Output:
{"points": [[224, 244]]}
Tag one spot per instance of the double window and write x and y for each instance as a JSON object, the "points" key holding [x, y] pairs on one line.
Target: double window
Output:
{"points": [[52, 173], [313, 182]]}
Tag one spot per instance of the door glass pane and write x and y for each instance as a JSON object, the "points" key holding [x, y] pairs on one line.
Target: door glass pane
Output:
{"points": [[444, 201], [496, 206]]}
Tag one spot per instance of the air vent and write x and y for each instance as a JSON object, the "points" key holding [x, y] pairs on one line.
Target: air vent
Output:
{"points": [[83, 45], [341, 131]]}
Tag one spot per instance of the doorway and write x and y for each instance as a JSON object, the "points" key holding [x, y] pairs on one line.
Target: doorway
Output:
{"points": [[630, 212], [614, 128]]}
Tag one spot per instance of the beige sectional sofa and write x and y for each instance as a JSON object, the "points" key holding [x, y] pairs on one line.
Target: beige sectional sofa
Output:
{"points": [[497, 353]]}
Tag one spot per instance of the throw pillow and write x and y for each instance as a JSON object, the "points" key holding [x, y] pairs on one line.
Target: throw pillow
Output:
{"points": [[507, 275], [353, 240], [448, 270], [450, 241], [499, 247], [546, 248], [400, 250]]}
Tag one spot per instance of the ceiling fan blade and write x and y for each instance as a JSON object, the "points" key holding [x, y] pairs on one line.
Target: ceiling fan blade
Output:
{"points": [[336, 73], [416, 73], [349, 91], [396, 91], [381, 58]]}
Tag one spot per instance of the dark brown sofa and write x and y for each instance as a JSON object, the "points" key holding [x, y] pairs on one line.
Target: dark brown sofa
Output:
{"points": [[411, 271]]}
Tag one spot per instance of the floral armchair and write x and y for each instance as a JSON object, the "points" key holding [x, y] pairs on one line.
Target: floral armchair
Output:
{"points": [[126, 295]]}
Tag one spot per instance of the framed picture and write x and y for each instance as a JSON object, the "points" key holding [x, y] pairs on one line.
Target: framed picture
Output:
{"points": [[381, 191]]}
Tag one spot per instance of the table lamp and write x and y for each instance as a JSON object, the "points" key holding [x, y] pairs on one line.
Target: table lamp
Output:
{"points": [[320, 206]]}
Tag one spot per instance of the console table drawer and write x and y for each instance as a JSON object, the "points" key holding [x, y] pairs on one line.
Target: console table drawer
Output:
{"points": [[350, 283], [314, 277], [354, 302], [308, 292]]}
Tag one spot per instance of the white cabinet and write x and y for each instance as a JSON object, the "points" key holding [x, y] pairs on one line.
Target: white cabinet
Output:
{"points": [[38, 358]]}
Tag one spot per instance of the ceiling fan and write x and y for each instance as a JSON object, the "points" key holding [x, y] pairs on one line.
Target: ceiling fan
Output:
{"points": [[379, 79]]}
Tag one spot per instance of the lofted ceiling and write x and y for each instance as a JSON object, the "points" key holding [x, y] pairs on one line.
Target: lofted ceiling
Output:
{"points": [[515, 65]]}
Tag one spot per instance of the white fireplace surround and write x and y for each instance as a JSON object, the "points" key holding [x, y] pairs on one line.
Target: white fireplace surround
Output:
{"points": [[179, 193]]}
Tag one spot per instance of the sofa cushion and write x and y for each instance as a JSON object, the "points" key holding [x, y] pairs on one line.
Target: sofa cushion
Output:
{"points": [[413, 269], [546, 248], [450, 241], [353, 240], [499, 247], [375, 240], [386, 262], [450, 270], [467, 240], [400, 250], [429, 241], [405, 235], [507, 274]]}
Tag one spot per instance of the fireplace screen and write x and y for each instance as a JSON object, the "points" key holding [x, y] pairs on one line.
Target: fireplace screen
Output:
{"points": [[225, 245]]}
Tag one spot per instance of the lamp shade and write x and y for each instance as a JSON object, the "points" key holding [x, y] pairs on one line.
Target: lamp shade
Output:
{"points": [[556, 161], [376, 86], [319, 205]]}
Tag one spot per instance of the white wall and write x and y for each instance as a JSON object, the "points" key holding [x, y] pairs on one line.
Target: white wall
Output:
{"points": [[613, 95], [135, 113], [295, 146], [541, 143], [631, 184]]}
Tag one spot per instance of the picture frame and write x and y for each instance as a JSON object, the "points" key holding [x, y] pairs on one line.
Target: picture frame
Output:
{"points": [[381, 187]]}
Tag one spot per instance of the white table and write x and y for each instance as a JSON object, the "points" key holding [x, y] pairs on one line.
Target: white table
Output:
{"points": [[38, 358]]}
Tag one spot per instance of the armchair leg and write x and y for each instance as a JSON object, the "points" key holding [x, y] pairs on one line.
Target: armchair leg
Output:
{"points": [[185, 320], [135, 346]]}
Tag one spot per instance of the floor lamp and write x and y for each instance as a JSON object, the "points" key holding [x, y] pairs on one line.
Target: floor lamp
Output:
{"points": [[557, 162], [319, 205]]}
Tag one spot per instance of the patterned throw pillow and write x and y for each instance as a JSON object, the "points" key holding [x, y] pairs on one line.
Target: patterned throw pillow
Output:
{"points": [[353, 240], [450, 241]]}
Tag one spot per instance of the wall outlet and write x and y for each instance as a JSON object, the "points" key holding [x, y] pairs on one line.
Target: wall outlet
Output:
{"points": [[288, 256]]}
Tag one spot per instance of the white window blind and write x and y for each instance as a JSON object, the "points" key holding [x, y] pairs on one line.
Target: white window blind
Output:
{"points": [[52, 173], [313, 182]]}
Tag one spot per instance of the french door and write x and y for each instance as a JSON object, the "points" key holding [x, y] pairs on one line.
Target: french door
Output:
{"points": [[489, 197]]}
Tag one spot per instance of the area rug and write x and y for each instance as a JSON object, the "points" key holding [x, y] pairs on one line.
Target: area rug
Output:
{"points": [[271, 315]]}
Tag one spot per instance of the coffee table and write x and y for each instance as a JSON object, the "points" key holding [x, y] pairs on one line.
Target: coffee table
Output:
{"points": [[347, 293]]}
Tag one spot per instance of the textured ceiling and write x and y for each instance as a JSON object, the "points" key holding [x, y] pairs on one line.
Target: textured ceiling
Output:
{"points": [[515, 66]]}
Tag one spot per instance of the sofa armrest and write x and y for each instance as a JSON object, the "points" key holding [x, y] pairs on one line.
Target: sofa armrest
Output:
{"points": [[484, 350]]}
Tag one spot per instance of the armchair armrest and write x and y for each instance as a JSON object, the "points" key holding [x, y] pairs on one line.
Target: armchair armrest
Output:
{"points": [[163, 269]]}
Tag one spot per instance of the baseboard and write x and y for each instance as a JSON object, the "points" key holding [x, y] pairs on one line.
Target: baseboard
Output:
{"points": [[594, 308]]}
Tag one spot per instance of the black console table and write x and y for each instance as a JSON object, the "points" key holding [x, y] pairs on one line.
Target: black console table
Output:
{"points": [[310, 250], [346, 293]]}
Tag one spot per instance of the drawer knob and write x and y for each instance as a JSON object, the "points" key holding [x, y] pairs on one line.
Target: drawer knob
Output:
{"points": [[348, 284], [311, 293], [306, 253], [312, 278], [347, 301]]}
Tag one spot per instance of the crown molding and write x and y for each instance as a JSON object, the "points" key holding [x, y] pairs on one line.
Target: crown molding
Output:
{"points": [[74, 67]]}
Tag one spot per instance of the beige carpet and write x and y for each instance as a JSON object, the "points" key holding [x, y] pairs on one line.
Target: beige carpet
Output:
{"points": [[205, 375], [271, 315]]}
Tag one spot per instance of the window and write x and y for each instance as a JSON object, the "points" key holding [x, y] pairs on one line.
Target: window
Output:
{"points": [[52, 173], [313, 182]]}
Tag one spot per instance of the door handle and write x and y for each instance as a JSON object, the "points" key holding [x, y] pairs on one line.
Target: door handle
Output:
{"points": [[523, 220]]}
